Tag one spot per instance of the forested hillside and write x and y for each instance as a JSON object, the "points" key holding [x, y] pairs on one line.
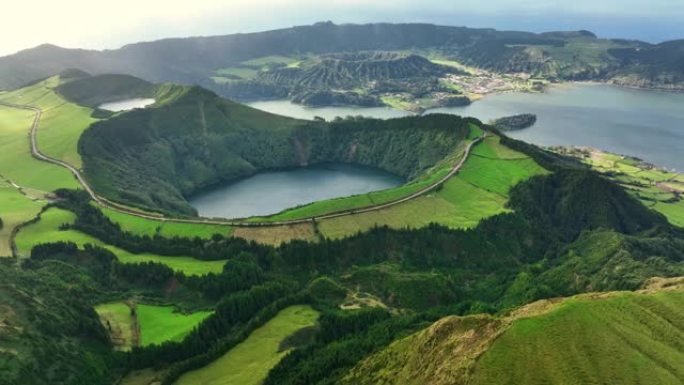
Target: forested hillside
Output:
{"points": [[43, 316]]}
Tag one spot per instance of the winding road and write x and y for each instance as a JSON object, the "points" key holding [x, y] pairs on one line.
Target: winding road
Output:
{"points": [[35, 152]]}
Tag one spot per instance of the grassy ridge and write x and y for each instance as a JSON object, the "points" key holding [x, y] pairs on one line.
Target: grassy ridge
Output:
{"points": [[596, 338], [624, 339], [47, 230], [249, 362], [478, 191], [457, 205], [496, 168]]}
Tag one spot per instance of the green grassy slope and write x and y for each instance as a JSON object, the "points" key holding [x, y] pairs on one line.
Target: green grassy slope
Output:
{"points": [[15, 209], [144, 226], [47, 230], [62, 123], [249, 362], [163, 323], [623, 339], [24, 181], [673, 211], [478, 191], [16, 162], [606, 338]]}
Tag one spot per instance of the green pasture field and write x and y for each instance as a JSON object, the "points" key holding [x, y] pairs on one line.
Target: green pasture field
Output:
{"points": [[15, 209], [24, 181], [144, 226], [673, 211], [62, 122], [457, 205], [47, 230], [396, 103], [163, 323], [16, 162], [655, 188], [498, 175], [157, 324], [249, 362]]}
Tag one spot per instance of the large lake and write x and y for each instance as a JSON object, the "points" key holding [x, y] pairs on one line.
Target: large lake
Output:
{"points": [[270, 192], [646, 124]]}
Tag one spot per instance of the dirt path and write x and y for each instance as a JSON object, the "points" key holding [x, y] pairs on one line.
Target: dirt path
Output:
{"points": [[35, 152]]}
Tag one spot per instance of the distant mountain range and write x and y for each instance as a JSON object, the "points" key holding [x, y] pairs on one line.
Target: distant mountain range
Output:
{"points": [[251, 65]]}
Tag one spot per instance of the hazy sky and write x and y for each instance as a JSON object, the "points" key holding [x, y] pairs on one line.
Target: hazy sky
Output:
{"points": [[113, 23]]}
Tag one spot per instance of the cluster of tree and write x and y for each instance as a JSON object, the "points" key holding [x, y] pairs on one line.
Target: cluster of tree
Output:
{"points": [[238, 274], [92, 91], [515, 122]]}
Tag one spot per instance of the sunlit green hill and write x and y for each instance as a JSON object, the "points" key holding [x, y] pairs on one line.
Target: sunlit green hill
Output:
{"points": [[603, 338]]}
